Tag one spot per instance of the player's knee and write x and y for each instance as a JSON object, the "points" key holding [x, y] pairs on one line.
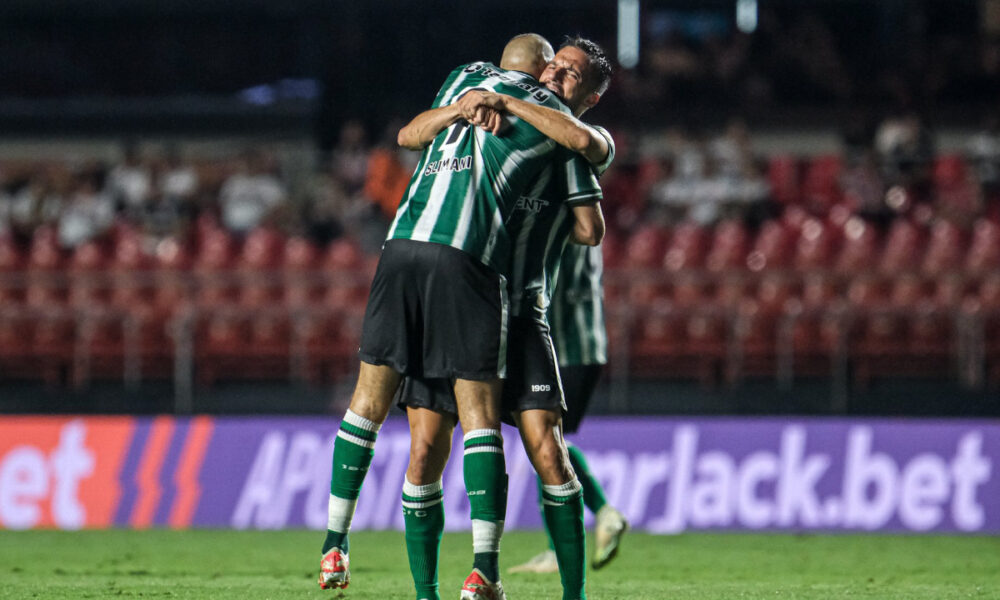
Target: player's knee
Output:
{"points": [[420, 464]]}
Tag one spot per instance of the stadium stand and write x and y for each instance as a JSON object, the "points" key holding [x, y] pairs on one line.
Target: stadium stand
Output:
{"points": [[813, 287]]}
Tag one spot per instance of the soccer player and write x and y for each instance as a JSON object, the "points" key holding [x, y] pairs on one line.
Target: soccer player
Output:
{"points": [[577, 318], [438, 306], [532, 393]]}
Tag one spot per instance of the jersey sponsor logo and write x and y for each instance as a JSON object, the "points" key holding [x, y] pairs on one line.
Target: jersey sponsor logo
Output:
{"points": [[448, 164], [535, 205], [539, 94]]}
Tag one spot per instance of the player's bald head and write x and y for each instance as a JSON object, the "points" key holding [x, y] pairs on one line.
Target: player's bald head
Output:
{"points": [[528, 52]]}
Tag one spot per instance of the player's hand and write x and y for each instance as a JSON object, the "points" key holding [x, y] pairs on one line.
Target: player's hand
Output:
{"points": [[475, 99], [488, 119]]}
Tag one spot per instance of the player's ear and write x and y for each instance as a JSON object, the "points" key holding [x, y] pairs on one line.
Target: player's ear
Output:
{"points": [[591, 99]]}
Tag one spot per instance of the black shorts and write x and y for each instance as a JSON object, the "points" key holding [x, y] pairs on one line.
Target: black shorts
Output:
{"points": [[579, 383], [532, 376], [435, 311]]}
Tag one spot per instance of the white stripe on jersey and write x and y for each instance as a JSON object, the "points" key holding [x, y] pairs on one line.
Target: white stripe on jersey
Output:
{"points": [[447, 99], [491, 241], [596, 267], [580, 316], [465, 217], [515, 158], [572, 183], [418, 176], [557, 224], [504, 327], [424, 226]]}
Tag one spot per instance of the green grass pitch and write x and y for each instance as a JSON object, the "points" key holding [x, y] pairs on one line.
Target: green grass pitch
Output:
{"points": [[283, 564]]}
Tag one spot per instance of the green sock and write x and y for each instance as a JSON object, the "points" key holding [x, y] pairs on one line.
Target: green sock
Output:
{"points": [[593, 493], [563, 511], [352, 455], [486, 484], [423, 514], [541, 509]]}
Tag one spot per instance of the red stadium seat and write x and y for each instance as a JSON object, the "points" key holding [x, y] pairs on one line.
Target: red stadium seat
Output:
{"points": [[691, 290], [946, 249], [239, 344], [818, 290], [860, 247], [678, 344], [12, 264], [909, 290], [45, 254], [329, 342], [730, 243], [816, 245], [36, 344], [783, 176], [89, 282], [343, 254], [687, 248], [11, 257], [645, 248], [301, 286], [217, 252], [903, 247], [732, 290], [812, 332], [986, 309], [647, 288], [262, 249], [612, 250], [906, 335], [772, 248], [949, 171], [821, 183], [755, 336], [300, 254], [984, 250]]}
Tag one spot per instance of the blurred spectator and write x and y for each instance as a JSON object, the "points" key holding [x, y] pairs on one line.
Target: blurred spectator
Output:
{"points": [[252, 194], [706, 186], [178, 180], [174, 192], [864, 189], [906, 152], [130, 183], [36, 200], [732, 150], [388, 172], [89, 211]]}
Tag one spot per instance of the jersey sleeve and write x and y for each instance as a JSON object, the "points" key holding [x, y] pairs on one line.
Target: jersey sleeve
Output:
{"points": [[600, 168], [581, 182]]}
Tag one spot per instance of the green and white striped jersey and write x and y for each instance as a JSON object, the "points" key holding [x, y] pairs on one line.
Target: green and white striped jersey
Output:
{"points": [[576, 312], [468, 181], [540, 229]]}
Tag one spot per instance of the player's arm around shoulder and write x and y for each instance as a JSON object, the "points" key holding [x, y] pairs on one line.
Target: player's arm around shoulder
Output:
{"points": [[423, 128], [565, 129]]}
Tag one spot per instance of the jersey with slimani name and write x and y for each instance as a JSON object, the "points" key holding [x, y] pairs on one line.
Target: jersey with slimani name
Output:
{"points": [[576, 313], [467, 182]]}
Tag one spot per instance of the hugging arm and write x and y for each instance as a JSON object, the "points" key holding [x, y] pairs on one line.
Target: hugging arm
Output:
{"points": [[565, 129]]}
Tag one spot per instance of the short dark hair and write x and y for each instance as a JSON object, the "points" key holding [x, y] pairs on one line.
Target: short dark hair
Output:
{"points": [[600, 65]]}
